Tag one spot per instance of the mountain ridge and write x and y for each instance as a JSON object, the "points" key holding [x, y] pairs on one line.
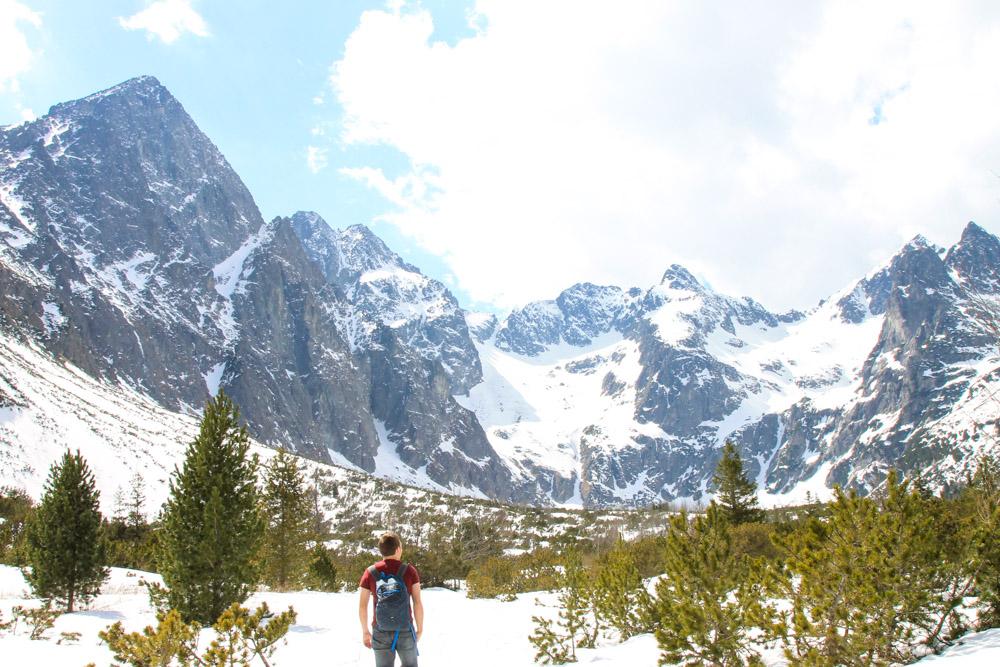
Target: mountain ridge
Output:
{"points": [[130, 248]]}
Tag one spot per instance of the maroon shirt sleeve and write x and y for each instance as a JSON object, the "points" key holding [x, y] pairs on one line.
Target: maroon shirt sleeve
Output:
{"points": [[411, 577], [366, 580]]}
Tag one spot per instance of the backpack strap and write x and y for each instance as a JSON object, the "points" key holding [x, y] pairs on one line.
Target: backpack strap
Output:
{"points": [[373, 571], [402, 571]]}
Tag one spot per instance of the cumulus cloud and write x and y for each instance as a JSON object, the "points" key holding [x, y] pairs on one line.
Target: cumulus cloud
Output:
{"points": [[778, 149], [167, 20], [15, 53], [315, 159]]}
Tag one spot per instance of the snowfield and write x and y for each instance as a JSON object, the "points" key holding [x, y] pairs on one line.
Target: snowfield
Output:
{"points": [[458, 631]]}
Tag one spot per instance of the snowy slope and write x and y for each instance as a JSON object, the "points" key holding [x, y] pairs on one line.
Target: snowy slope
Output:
{"points": [[541, 410], [47, 407], [536, 409]]}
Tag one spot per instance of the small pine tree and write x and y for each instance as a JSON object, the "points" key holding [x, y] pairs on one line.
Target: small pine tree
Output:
{"points": [[620, 596], [556, 642], [710, 598], [287, 511], [242, 637], [735, 493], [136, 503], [212, 527], [64, 544], [16, 507]]}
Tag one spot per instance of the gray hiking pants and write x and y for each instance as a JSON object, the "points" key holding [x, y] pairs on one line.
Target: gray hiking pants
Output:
{"points": [[385, 656]]}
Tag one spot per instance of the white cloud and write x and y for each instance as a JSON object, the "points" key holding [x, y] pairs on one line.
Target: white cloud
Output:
{"points": [[315, 158], [779, 149], [168, 20], [15, 53], [27, 114]]}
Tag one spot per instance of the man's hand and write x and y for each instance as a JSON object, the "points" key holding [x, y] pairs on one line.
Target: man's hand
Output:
{"points": [[366, 639], [420, 631]]}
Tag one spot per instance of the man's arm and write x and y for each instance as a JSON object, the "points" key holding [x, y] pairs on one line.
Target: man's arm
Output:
{"points": [[418, 609], [366, 635]]}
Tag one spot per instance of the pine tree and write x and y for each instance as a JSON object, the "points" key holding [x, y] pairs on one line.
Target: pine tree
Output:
{"points": [[136, 502], [735, 493], [621, 599], [710, 598], [982, 534], [212, 527], [64, 544], [287, 511], [868, 583], [16, 507], [576, 627]]}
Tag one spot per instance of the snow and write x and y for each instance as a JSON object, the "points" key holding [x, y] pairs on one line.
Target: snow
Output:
{"points": [[214, 377], [476, 320], [535, 409], [58, 407], [394, 273], [458, 630], [229, 273], [671, 318], [819, 357], [52, 317], [16, 205], [230, 277], [495, 632], [975, 650]]}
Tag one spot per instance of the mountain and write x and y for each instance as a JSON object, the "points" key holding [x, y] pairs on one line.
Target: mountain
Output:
{"points": [[895, 371], [131, 249], [131, 252]]}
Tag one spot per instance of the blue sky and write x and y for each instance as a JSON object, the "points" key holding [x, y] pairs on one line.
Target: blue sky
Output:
{"points": [[513, 147], [251, 85]]}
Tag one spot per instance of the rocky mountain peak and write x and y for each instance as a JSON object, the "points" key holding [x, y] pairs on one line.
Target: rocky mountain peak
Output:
{"points": [[145, 87], [482, 326], [678, 278], [975, 258], [362, 250], [320, 241], [169, 188]]}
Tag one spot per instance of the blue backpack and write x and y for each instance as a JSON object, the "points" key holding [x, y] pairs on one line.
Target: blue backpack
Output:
{"points": [[392, 600]]}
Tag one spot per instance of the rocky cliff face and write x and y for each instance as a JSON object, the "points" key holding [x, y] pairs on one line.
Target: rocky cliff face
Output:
{"points": [[114, 210], [129, 247], [383, 290]]}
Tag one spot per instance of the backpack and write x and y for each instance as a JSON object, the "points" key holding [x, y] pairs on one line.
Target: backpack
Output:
{"points": [[392, 599]]}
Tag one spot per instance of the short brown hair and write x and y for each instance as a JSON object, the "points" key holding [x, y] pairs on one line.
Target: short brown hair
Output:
{"points": [[388, 543]]}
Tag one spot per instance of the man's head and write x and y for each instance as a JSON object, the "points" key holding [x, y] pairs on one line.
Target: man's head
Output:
{"points": [[389, 545]]}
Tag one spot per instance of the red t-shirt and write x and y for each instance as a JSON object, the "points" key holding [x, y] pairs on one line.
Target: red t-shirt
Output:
{"points": [[390, 566]]}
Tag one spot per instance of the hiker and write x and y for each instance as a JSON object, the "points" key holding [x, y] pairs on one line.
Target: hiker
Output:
{"points": [[393, 583]]}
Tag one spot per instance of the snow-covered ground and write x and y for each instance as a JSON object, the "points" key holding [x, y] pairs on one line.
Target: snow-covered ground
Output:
{"points": [[458, 631]]}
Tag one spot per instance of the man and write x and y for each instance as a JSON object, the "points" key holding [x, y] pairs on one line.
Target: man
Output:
{"points": [[394, 585]]}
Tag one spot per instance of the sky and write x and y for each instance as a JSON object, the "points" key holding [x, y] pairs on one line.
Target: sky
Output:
{"points": [[512, 148]]}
